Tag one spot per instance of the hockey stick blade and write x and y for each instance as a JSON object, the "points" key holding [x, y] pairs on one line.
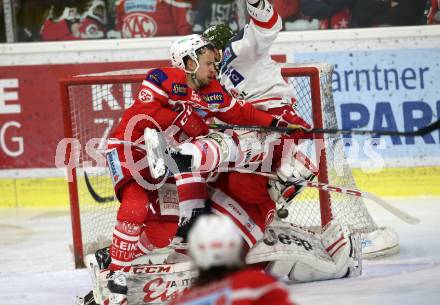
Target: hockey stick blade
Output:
{"points": [[421, 132], [392, 209], [95, 195], [353, 192]]}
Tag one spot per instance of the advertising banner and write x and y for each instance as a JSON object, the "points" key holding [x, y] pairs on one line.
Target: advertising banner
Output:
{"points": [[31, 122], [384, 79], [393, 89]]}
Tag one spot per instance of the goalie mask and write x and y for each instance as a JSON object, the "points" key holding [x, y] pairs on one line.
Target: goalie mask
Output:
{"points": [[214, 241], [188, 46]]}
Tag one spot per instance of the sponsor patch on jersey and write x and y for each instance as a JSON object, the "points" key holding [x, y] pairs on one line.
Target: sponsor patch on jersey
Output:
{"points": [[157, 77], [235, 77], [115, 166], [227, 54], [179, 89], [145, 96], [147, 6], [214, 98]]}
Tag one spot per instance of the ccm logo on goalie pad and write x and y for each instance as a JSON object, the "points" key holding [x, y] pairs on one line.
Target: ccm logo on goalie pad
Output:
{"points": [[286, 240], [152, 269]]}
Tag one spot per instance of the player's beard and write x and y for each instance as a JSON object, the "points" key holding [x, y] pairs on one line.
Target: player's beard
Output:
{"points": [[204, 82]]}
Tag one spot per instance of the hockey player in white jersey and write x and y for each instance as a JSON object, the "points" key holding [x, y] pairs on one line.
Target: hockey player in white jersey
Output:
{"points": [[247, 71]]}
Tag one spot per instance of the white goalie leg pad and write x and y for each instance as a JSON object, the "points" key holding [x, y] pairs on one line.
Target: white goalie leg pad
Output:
{"points": [[280, 269], [336, 243], [301, 255], [382, 242], [149, 283], [343, 248]]}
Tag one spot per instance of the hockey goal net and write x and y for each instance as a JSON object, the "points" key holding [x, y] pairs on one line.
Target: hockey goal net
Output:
{"points": [[93, 104]]}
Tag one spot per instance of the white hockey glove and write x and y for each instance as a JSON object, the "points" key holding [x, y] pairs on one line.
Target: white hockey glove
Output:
{"points": [[256, 3]]}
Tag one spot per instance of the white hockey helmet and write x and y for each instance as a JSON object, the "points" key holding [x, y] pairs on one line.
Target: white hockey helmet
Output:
{"points": [[215, 241], [187, 46]]}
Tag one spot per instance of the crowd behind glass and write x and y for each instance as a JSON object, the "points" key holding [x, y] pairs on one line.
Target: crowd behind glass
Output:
{"points": [[52, 20]]}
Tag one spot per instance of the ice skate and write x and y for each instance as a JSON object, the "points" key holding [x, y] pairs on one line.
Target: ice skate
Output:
{"points": [[156, 153], [163, 159]]}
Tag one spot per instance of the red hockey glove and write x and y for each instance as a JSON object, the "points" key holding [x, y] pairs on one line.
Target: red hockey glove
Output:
{"points": [[190, 122], [288, 117]]}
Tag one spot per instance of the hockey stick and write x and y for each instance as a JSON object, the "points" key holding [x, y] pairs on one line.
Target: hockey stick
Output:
{"points": [[353, 192], [420, 132], [94, 194]]}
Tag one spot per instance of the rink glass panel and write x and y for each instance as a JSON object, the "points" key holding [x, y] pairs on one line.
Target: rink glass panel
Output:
{"points": [[93, 105]]}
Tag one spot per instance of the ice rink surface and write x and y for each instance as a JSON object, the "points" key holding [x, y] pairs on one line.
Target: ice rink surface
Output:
{"points": [[36, 262]]}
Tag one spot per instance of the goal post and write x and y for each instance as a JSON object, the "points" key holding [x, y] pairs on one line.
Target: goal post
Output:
{"points": [[93, 104]]}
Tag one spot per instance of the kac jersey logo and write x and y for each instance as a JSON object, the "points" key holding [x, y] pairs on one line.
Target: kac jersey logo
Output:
{"points": [[138, 25], [145, 96]]}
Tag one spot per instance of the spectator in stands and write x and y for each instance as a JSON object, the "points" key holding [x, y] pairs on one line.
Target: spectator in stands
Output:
{"points": [[368, 13], [214, 12], [30, 15], [287, 9], [74, 20], [148, 18], [332, 14]]}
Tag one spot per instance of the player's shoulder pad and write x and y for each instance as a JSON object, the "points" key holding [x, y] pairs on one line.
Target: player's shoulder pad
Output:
{"points": [[156, 76]]}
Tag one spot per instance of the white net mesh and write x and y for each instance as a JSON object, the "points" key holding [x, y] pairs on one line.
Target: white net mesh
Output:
{"points": [[97, 102], [305, 210]]}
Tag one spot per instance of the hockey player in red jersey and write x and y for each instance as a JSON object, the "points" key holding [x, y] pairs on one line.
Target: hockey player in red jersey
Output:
{"points": [[148, 18], [176, 100], [245, 59], [244, 197], [215, 246]]}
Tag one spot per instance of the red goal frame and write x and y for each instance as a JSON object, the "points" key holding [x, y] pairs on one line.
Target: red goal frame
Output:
{"points": [[307, 71]]}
